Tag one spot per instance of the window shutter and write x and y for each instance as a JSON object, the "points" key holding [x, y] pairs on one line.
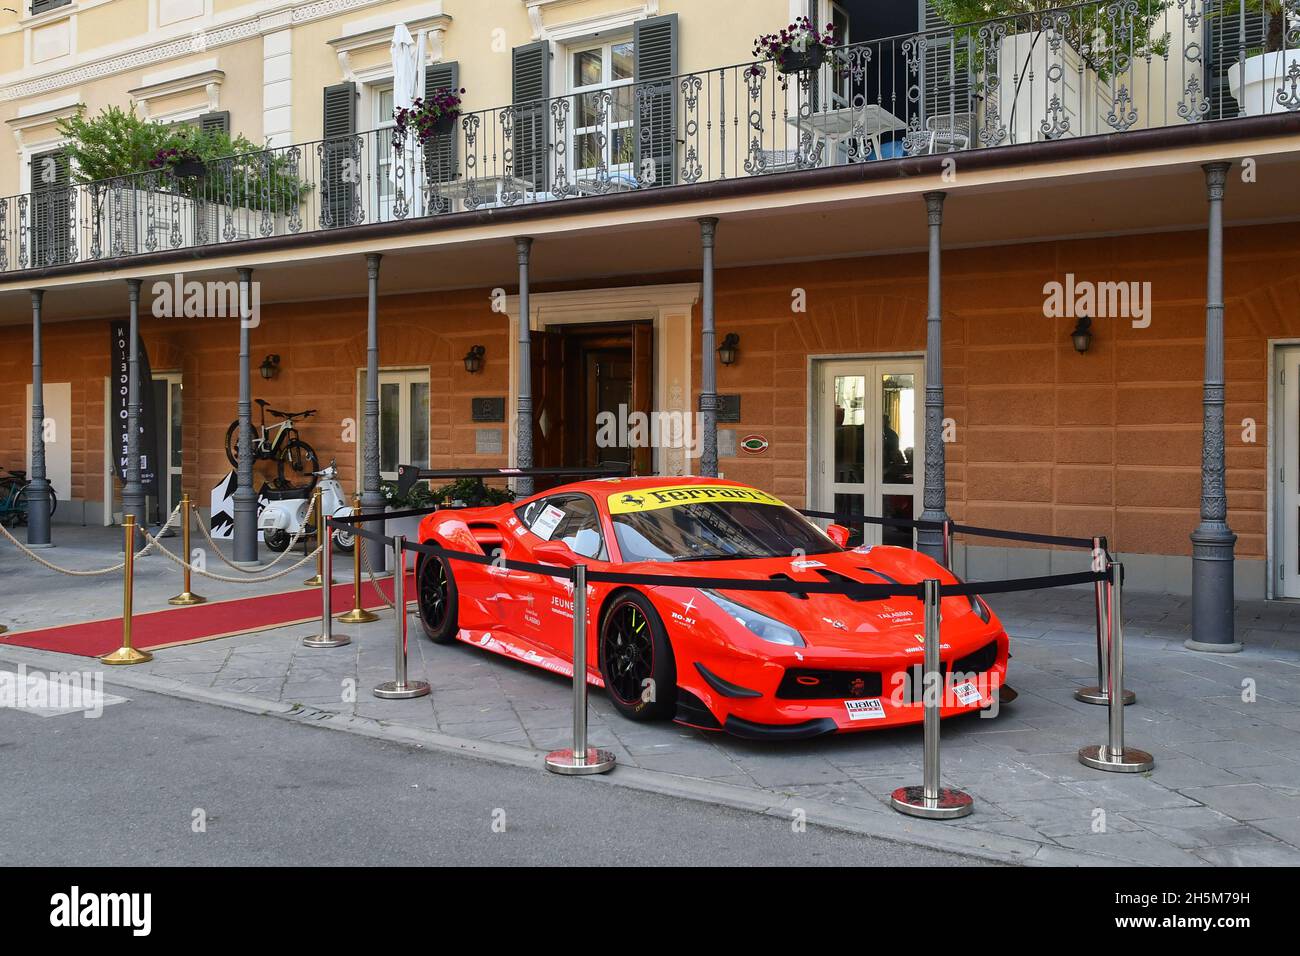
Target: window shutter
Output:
{"points": [[945, 82], [339, 159], [655, 42], [530, 89], [40, 6], [1224, 46], [440, 157], [215, 122], [51, 230]]}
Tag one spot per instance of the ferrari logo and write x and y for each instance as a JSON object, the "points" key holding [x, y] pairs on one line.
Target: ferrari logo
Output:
{"points": [[857, 686], [634, 500]]}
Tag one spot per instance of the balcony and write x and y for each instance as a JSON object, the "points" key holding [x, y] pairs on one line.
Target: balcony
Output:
{"points": [[1074, 72]]}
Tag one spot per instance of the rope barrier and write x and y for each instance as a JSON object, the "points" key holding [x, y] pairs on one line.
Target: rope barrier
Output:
{"points": [[229, 580], [365, 555], [288, 549], [98, 572]]}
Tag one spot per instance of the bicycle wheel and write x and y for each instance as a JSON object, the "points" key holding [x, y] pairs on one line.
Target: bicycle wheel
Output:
{"points": [[54, 501], [232, 444], [295, 464]]}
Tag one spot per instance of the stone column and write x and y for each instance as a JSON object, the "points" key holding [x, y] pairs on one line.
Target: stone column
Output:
{"points": [[524, 411], [935, 493], [245, 501], [38, 489], [708, 356], [1213, 540], [132, 487]]}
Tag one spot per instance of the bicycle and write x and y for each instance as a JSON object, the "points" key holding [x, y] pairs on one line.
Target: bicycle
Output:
{"points": [[13, 498], [280, 443]]}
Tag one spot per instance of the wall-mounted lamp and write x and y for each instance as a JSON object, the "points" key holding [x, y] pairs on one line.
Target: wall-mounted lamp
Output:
{"points": [[729, 350], [474, 359], [1081, 337], [270, 366]]}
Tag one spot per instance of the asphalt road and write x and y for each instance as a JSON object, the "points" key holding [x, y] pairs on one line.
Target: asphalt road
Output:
{"points": [[127, 788]]}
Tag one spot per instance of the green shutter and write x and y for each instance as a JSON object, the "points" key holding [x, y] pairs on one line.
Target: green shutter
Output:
{"points": [[655, 100], [51, 229], [40, 6], [530, 90], [339, 158], [440, 156]]}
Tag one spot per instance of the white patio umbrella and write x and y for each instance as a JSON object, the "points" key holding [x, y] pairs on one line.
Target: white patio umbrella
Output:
{"points": [[408, 85]]}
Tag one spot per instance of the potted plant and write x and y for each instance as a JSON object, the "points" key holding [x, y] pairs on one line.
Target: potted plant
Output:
{"points": [[1268, 80], [183, 162], [800, 47], [427, 117]]}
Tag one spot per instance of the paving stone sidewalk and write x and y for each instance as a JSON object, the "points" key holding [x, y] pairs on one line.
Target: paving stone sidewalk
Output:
{"points": [[1225, 730]]}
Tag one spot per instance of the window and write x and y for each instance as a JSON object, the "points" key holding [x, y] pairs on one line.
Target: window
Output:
{"points": [[403, 420], [40, 6], [382, 118], [571, 519], [604, 112]]}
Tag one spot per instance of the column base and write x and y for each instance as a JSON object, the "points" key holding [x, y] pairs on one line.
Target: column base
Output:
{"points": [[252, 565], [40, 547], [1205, 648]]}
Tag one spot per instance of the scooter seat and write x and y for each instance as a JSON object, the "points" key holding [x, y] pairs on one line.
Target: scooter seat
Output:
{"points": [[285, 494]]}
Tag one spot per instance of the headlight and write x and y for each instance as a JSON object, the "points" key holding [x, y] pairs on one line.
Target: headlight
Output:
{"points": [[979, 607], [758, 624]]}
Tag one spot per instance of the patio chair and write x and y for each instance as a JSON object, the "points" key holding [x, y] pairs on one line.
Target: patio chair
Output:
{"points": [[949, 132]]}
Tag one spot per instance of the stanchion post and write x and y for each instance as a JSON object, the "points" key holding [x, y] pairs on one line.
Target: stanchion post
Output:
{"points": [[580, 759], [930, 800], [1100, 693], [947, 544], [400, 688], [1113, 755], [126, 654], [322, 541], [358, 614], [186, 597], [327, 637]]}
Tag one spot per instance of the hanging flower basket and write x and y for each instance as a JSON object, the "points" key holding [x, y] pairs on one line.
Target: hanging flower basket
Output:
{"points": [[426, 118], [799, 48], [805, 61], [181, 163]]}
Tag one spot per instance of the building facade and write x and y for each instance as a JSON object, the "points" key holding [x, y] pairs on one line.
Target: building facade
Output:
{"points": [[963, 268]]}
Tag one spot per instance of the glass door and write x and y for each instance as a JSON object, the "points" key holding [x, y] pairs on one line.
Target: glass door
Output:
{"points": [[1286, 438], [403, 420], [868, 452]]}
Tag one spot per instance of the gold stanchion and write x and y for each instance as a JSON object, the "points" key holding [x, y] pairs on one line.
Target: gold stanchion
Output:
{"points": [[126, 654], [358, 614], [322, 539], [186, 597]]}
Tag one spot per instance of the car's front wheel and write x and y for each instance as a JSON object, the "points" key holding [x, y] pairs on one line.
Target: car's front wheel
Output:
{"points": [[636, 659], [436, 592]]}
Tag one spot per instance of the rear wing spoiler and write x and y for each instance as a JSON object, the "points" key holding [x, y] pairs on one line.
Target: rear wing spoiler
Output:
{"points": [[408, 475]]}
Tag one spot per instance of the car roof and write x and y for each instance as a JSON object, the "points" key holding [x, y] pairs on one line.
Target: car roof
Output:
{"points": [[603, 487]]}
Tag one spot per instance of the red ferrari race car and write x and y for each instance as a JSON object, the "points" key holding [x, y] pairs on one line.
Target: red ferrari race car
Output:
{"points": [[757, 664]]}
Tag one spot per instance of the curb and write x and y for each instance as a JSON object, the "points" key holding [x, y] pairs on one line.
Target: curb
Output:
{"points": [[882, 824]]}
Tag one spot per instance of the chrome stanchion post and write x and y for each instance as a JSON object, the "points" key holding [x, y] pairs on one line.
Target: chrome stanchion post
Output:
{"points": [[126, 654], [947, 544], [580, 759], [358, 614], [401, 688], [327, 637], [186, 597], [1113, 755], [1100, 694], [930, 800]]}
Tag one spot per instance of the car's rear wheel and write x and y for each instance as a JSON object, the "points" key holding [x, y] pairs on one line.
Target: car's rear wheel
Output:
{"points": [[436, 592], [636, 659]]}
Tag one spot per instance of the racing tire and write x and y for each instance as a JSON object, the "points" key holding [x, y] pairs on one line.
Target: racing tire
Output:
{"points": [[277, 539], [632, 649], [435, 589]]}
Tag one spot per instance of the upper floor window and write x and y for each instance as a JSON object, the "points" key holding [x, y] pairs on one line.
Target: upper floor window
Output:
{"points": [[601, 79], [40, 6]]}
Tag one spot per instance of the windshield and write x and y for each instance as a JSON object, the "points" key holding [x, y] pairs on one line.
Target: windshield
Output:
{"points": [[706, 530]]}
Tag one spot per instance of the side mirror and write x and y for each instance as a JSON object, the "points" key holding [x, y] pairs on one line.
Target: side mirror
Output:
{"points": [[556, 552], [839, 534]]}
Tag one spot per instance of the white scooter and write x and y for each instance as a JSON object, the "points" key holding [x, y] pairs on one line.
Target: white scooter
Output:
{"points": [[288, 512]]}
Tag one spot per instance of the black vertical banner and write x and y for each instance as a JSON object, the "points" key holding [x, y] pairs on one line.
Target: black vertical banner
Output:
{"points": [[119, 377]]}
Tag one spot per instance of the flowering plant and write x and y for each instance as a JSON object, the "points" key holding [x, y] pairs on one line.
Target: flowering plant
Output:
{"points": [[799, 46], [427, 116], [172, 156]]}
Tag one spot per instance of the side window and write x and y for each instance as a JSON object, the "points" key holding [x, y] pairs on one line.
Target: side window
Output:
{"points": [[568, 518]]}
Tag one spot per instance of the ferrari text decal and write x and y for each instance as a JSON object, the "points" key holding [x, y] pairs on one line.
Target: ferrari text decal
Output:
{"points": [[651, 499]]}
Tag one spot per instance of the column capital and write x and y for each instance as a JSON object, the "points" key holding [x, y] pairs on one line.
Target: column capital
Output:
{"points": [[37, 296], [245, 273], [708, 230], [523, 248], [934, 206], [1216, 178], [133, 289], [372, 265]]}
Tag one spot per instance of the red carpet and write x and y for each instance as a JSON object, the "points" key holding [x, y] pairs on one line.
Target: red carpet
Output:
{"points": [[202, 622]]}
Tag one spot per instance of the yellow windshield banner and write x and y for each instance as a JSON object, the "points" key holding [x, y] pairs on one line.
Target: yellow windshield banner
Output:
{"points": [[651, 499]]}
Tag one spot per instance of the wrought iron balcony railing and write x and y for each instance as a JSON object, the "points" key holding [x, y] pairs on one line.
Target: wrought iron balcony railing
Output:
{"points": [[1084, 70]]}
